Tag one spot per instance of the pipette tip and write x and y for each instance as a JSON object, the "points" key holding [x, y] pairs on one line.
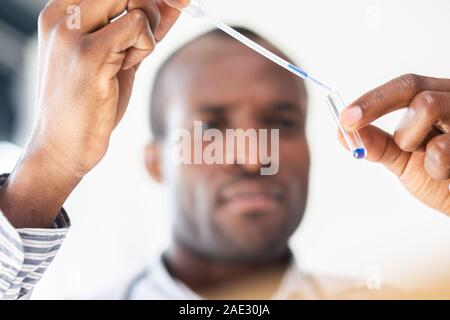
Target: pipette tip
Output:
{"points": [[359, 153]]}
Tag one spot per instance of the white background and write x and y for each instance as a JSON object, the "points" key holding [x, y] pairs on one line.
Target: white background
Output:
{"points": [[358, 215]]}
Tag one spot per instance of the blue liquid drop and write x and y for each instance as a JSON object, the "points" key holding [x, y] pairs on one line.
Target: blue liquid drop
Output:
{"points": [[359, 153]]}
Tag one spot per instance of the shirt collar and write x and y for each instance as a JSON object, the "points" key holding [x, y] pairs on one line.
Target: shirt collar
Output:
{"points": [[295, 284]]}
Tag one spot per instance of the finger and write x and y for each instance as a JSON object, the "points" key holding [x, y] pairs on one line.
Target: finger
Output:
{"points": [[437, 157], [177, 4], [97, 14], [125, 42], [381, 148], [151, 10], [126, 79], [169, 15], [427, 111], [393, 95]]}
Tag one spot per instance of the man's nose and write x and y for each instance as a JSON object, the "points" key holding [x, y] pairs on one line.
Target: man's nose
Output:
{"points": [[248, 146], [250, 160], [253, 169]]}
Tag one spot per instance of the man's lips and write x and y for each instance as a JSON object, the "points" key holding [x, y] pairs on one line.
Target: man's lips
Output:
{"points": [[251, 196]]}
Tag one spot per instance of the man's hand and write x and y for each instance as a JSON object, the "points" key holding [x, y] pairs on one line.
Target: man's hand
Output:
{"points": [[419, 151], [86, 77]]}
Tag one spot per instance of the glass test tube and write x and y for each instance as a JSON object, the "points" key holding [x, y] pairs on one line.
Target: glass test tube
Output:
{"points": [[353, 139]]}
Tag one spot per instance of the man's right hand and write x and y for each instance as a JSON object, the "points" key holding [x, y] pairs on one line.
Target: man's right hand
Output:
{"points": [[86, 75], [85, 81]]}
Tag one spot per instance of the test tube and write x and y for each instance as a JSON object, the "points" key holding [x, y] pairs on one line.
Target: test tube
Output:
{"points": [[352, 138]]}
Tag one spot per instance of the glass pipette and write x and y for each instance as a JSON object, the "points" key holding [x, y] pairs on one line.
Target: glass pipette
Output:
{"points": [[336, 104]]}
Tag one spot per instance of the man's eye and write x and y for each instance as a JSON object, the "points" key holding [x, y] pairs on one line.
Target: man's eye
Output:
{"points": [[212, 125], [285, 123]]}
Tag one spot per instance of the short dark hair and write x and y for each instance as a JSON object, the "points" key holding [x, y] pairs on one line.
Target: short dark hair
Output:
{"points": [[157, 101]]}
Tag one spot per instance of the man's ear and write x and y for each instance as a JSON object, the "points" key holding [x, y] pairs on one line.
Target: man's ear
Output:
{"points": [[153, 161]]}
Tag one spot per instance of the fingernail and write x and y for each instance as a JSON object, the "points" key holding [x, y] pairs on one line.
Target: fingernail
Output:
{"points": [[351, 116]]}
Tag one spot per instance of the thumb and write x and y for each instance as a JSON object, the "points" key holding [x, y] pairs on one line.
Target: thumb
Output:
{"points": [[177, 4], [381, 148]]}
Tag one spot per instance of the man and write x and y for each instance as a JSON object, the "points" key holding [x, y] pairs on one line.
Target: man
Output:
{"points": [[231, 224]]}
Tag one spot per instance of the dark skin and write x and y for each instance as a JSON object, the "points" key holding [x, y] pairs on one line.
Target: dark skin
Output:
{"points": [[215, 245], [229, 221], [419, 151], [84, 92]]}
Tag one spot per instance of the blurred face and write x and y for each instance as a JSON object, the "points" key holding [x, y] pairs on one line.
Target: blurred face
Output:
{"points": [[231, 212]]}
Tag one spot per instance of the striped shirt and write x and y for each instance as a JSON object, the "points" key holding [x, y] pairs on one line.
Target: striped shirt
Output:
{"points": [[26, 253]]}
